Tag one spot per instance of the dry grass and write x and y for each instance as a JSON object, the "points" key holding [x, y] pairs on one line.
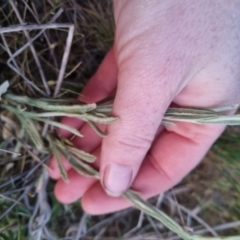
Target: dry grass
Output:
{"points": [[203, 203]]}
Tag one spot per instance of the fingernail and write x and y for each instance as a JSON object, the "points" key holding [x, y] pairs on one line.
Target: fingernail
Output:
{"points": [[117, 179]]}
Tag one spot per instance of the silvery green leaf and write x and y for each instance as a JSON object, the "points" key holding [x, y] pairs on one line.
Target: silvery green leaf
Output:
{"points": [[107, 109], [191, 119], [81, 167], [225, 108], [97, 129], [77, 108], [100, 114], [57, 156], [157, 214], [58, 125], [58, 114], [154, 212], [167, 123], [32, 131], [97, 119], [3, 88], [223, 119], [189, 112], [50, 122], [81, 154]]}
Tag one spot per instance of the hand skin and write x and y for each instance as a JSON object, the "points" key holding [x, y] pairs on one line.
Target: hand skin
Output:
{"points": [[185, 53]]}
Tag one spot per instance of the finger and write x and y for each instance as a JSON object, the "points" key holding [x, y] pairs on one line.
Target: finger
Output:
{"points": [[67, 193], [91, 140], [88, 143], [77, 185], [102, 83], [53, 169], [172, 156], [143, 96]]}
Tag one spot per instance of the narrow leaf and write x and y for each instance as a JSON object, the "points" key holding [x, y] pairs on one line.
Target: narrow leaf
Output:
{"points": [[78, 108], [50, 122], [32, 131], [107, 109], [223, 119], [57, 114], [60, 125], [189, 112], [3, 88], [225, 108], [97, 119], [97, 129], [167, 123], [157, 214], [82, 168], [61, 168], [192, 119], [81, 155]]}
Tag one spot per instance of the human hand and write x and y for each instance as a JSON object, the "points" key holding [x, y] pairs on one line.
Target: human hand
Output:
{"points": [[185, 53]]}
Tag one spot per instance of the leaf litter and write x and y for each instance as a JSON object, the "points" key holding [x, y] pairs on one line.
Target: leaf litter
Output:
{"points": [[32, 111]]}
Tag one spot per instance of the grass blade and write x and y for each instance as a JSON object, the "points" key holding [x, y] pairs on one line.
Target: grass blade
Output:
{"points": [[97, 129], [81, 155], [57, 114], [32, 131], [60, 125], [3, 88], [78, 108], [167, 123], [85, 117], [82, 168], [157, 214], [223, 119], [57, 156], [60, 165], [189, 112], [225, 108], [97, 119], [166, 220]]}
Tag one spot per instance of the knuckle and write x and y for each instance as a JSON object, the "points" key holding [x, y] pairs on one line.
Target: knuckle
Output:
{"points": [[133, 143]]}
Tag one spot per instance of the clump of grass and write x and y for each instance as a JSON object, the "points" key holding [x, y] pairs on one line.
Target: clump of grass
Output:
{"points": [[29, 122], [34, 70]]}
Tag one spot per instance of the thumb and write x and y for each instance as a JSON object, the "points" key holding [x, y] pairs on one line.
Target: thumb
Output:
{"points": [[143, 95]]}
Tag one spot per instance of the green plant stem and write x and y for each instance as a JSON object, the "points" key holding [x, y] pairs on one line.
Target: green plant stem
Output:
{"points": [[157, 214], [166, 220]]}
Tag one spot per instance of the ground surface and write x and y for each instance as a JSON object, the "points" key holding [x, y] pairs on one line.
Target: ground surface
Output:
{"points": [[208, 200]]}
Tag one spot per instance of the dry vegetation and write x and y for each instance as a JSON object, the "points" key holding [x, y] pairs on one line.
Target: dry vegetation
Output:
{"points": [[206, 202]]}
